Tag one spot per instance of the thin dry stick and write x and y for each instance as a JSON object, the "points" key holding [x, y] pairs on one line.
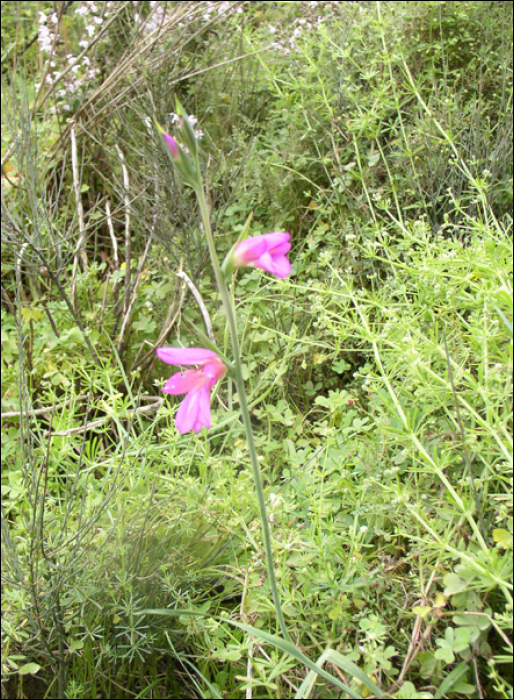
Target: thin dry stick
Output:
{"points": [[8, 302], [249, 673], [249, 667], [477, 676], [199, 301], [80, 251], [416, 643], [120, 73], [152, 408], [43, 302], [42, 411], [129, 69], [104, 298], [128, 314], [151, 355], [284, 677], [115, 288], [38, 103], [128, 249], [112, 235], [173, 312]]}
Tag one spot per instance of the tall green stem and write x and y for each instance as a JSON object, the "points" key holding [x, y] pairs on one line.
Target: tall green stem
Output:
{"points": [[243, 404]]}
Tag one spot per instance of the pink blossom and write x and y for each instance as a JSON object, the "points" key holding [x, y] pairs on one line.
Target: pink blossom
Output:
{"points": [[172, 145], [194, 412], [268, 252]]}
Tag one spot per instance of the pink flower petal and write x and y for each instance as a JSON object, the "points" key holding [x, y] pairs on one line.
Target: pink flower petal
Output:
{"points": [[172, 145], [203, 416], [266, 252], [250, 249], [214, 371], [194, 412], [184, 382], [281, 266], [185, 356]]}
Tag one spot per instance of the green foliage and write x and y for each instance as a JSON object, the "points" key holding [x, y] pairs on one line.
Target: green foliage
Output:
{"points": [[379, 375]]}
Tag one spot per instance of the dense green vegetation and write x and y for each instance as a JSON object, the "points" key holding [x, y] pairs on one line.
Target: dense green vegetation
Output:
{"points": [[379, 374]]}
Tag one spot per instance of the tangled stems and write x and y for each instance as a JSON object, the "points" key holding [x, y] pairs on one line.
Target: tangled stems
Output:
{"points": [[245, 413]]}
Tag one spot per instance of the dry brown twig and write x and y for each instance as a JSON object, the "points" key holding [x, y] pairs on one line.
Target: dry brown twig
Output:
{"points": [[112, 235], [200, 302], [80, 251], [42, 411], [38, 103], [152, 408], [128, 247]]}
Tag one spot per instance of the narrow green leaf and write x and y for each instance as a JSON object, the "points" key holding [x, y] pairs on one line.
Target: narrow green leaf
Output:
{"points": [[292, 650], [451, 679], [505, 320], [207, 343]]}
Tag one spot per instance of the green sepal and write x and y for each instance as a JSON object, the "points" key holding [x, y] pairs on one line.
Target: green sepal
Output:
{"points": [[207, 343], [226, 267], [187, 129], [184, 165]]}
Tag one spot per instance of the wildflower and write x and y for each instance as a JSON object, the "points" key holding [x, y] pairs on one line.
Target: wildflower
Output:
{"points": [[268, 252], [194, 412], [172, 145], [180, 158]]}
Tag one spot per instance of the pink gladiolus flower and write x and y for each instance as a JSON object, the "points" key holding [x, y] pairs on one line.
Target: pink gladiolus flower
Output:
{"points": [[194, 412], [268, 252], [172, 145]]}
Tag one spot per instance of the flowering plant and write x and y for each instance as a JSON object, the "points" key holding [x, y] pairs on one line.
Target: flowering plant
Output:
{"points": [[267, 252], [195, 411]]}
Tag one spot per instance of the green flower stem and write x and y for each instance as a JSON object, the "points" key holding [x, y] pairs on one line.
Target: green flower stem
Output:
{"points": [[243, 404]]}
